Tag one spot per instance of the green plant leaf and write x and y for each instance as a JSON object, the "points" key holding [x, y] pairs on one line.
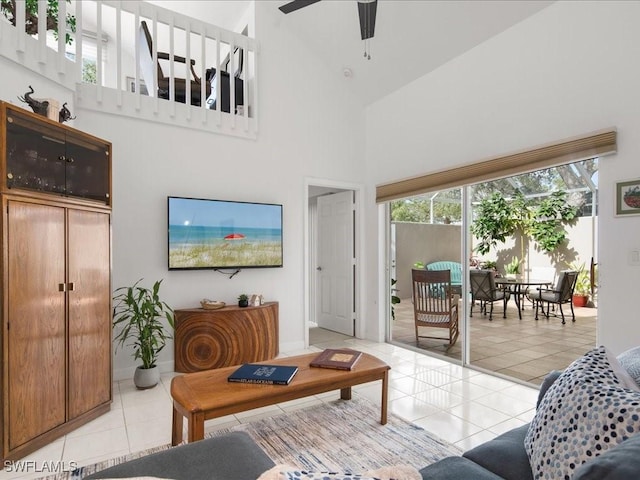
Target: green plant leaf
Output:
{"points": [[137, 313]]}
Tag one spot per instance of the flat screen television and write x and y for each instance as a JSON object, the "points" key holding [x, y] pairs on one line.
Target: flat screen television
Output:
{"points": [[218, 234]]}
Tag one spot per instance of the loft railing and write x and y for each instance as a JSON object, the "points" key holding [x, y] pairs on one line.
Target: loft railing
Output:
{"points": [[108, 63]]}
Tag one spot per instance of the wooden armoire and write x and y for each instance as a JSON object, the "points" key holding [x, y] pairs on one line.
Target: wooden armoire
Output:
{"points": [[56, 279]]}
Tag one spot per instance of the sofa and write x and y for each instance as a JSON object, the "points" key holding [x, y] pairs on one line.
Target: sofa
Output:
{"points": [[604, 381], [232, 456], [506, 456]]}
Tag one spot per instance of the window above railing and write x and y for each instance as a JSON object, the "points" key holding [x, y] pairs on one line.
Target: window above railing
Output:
{"points": [[137, 59]]}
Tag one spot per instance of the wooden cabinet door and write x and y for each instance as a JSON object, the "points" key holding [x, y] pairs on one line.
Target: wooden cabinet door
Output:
{"points": [[36, 336], [89, 266]]}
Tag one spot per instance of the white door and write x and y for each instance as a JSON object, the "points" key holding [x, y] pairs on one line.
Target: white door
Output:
{"points": [[336, 263]]}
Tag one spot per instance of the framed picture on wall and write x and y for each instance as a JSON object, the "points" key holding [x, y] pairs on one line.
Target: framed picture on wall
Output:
{"points": [[628, 198], [131, 86]]}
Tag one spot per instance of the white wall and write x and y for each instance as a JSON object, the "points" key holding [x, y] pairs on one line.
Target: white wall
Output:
{"points": [[568, 70], [15, 81], [309, 127]]}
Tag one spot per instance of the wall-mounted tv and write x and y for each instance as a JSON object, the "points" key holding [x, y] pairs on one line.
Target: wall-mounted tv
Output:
{"points": [[219, 234]]}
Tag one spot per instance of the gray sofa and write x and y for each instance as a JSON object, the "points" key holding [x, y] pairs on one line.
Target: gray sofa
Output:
{"points": [[233, 456], [505, 457], [236, 457]]}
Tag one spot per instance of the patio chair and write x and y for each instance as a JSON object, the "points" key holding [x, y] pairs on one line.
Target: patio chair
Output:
{"points": [[163, 87], [485, 291], [560, 294], [541, 273], [434, 304]]}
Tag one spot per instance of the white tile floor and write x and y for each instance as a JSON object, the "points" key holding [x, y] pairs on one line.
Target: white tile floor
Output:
{"points": [[460, 405]]}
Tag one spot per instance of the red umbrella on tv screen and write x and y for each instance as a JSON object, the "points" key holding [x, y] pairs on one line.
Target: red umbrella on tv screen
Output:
{"points": [[234, 236]]}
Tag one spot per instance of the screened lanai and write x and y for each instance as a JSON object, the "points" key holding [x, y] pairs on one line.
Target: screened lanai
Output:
{"points": [[429, 228]]}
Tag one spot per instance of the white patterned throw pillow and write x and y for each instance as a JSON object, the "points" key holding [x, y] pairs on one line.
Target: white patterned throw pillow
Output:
{"points": [[592, 407]]}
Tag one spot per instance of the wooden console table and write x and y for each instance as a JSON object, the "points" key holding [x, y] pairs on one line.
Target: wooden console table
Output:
{"points": [[206, 339]]}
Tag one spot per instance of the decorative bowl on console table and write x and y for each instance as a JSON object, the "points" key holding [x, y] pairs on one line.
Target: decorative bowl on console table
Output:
{"points": [[211, 304]]}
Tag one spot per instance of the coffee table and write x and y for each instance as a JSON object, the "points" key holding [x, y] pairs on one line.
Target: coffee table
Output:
{"points": [[205, 395]]}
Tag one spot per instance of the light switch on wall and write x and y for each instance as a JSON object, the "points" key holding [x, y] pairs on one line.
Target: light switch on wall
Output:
{"points": [[634, 258]]}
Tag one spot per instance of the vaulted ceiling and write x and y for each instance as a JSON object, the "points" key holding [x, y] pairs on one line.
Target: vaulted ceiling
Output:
{"points": [[412, 37]]}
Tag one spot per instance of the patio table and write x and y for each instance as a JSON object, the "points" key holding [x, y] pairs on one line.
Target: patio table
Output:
{"points": [[516, 288]]}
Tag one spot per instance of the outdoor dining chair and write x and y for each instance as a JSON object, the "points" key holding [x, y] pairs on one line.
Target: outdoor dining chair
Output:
{"points": [[485, 291], [560, 294]]}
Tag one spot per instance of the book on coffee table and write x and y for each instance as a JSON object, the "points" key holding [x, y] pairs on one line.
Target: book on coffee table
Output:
{"points": [[265, 374], [338, 358]]}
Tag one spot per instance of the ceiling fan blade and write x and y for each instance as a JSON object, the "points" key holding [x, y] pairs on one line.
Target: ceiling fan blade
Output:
{"points": [[367, 14], [296, 5]]}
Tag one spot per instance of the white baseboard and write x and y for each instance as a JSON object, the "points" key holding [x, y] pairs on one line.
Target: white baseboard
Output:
{"points": [[291, 346]]}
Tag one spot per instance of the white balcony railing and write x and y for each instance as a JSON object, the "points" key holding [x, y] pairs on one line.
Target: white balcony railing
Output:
{"points": [[111, 68]]}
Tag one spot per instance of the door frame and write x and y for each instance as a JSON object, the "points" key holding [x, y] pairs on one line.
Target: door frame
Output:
{"points": [[309, 292]]}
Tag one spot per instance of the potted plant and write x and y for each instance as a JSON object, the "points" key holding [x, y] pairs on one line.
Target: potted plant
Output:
{"points": [[138, 311], [582, 289], [489, 265], [513, 267], [395, 299], [243, 300]]}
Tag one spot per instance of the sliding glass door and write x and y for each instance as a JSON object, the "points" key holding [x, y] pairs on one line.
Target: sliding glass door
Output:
{"points": [[426, 232], [531, 227]]}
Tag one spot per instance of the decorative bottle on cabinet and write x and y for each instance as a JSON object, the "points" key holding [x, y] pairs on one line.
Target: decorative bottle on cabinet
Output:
{"points": [[56, 319]]}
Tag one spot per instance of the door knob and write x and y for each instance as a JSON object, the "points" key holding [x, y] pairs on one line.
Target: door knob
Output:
{"points": [[319, 268]]}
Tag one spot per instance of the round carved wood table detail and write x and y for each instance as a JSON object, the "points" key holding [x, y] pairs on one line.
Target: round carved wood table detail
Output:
{"points": [[206, 339]]}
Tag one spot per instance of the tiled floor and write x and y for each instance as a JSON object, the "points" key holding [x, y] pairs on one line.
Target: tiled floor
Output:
{"points": [[460, 405], [524, 349]]}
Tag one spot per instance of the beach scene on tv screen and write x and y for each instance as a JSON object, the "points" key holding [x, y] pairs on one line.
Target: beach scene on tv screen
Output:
{"points": [[219, 234]]}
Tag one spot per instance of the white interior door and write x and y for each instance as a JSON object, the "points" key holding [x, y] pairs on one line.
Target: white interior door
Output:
{"points": [[335, 267]]}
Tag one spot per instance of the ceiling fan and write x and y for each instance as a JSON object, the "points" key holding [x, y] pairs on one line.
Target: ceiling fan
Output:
{"points": [[366, 12]]}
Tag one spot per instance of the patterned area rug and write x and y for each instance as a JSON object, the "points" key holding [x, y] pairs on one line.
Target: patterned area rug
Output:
{"points": [[340, 435]]}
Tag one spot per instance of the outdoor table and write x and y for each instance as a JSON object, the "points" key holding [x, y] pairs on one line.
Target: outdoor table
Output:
{"points": [[516, 287]]}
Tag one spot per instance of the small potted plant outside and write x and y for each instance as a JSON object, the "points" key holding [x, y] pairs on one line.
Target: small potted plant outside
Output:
{"points": [[395, 299], [489, 265], [582, 289], [138, 312], [512, 268], [243, 300]]}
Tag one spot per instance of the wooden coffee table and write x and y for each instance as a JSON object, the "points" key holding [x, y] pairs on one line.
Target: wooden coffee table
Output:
{"points": [[205, 395]]}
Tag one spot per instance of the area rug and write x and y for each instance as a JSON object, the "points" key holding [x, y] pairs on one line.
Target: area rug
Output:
{"points": [[339, 435]]}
